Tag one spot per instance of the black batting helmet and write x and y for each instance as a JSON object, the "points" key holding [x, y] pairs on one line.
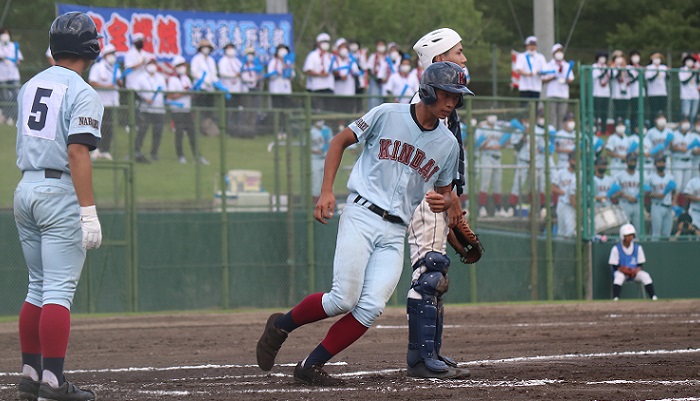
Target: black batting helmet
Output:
{"points": [[443, 75], [74, 33]]}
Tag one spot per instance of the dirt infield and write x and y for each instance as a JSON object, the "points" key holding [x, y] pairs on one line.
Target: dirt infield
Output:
{"points": [[635, 350]]}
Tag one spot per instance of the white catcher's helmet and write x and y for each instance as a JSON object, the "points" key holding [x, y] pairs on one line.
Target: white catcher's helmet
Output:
{"points": [[434, 44], [627, 229]]}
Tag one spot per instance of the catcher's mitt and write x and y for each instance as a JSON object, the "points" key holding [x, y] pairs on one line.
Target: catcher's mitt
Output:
{"points": [[628, 271], [465, 241]]}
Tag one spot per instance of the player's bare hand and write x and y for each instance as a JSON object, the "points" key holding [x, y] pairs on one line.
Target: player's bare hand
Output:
{"points": [[325, 207], [436, 202], [454, 212]]}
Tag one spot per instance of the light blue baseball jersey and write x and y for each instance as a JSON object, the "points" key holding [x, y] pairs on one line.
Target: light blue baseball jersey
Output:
{"points": [[55, 105], [601, 187], [629, 183], [658, 186], [400, 161]]}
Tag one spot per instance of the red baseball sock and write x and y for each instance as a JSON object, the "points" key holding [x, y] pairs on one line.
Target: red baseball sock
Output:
{"points": [[497, 200], [54, 330], [29, 340], [513, 201], [344, 332], [482, 198], [309, 310]]}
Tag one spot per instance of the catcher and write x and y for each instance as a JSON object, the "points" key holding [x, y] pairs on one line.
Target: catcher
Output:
{"points": [[427, 235], [626, 260]]}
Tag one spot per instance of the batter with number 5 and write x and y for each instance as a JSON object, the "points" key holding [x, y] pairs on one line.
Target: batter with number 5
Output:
{"points": [[58, 125], [408, 155]]}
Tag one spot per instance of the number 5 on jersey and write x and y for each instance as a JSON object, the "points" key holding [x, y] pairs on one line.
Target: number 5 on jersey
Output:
{"points": [[43, 100]]}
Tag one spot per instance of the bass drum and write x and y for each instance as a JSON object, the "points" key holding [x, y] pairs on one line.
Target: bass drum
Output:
{"points": [[608, 218]]}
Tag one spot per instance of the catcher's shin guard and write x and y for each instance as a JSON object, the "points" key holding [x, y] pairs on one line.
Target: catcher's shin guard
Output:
{"points": [[438, 334], [422, 316]]}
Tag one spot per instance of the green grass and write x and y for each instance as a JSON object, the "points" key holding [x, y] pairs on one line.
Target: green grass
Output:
{"points": [[167, 183]]}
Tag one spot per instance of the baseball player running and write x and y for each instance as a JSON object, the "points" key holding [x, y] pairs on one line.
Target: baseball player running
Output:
{"points": [[59, 123], [427, 235], [408, 155]]}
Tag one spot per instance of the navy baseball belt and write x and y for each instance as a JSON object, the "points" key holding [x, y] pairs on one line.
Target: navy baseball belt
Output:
{"points": [[378, 210], [51, 173]]}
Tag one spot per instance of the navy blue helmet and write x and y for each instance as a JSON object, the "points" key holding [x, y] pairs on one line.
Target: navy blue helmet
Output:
{"points": [[74, 33], [444, 75]]}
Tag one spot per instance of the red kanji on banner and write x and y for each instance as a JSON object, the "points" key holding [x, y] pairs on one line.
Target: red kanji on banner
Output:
{"points": [[117, 29], [143, 23], [168, 36], [99, 23]]}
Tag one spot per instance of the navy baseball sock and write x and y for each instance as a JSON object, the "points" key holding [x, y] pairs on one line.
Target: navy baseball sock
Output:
{"points": [[318, 356], [616, 290], [33, 360], [286, 322], [650, 290], [55, 366]]}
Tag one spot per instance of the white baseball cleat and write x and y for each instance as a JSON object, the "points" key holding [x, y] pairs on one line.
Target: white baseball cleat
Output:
{"points": [[616, 299], [654, 298], [483, 212]]}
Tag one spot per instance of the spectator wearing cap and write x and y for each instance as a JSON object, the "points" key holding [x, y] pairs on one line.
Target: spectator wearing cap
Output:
{"points": [[634, 71], [402, 84], [681, 156], [601, 182], [317, 65], [360, 55], [565, 141], [560, 75], [619, 85], [662, 193], [629, 193], [344, 70], [180, 104], [10, 59], [106, 77], [395, 56], [656, 75], [530, 65], [280, 72], [601, 92], [149, 88], [378, 72], [690, 97], [204, 73], [251, 72], [229, 67], [617, 147], [660, 135], [135, 60]]}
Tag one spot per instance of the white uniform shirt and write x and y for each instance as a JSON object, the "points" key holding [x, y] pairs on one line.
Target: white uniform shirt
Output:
{"points": [[601, 80], [601, 186], [633, 87], [318, 61], [619, 145], [629, 183], [559, 86], [151, 87], [250, 76], [689, 90], [201, 64], [537, 63], [619, 84], [344, 72], [659, 137], [489, 136], [646, 148], [656, 80], [230, 74], [10, 54], [278, 83], [680, 139], [132, 59], [615, 256], [693, 188], [400, 162], [565, 141], [402, 87], [565, 180], [104, 74], [658, 185], [378, 67], [180, 83], [71, 107]]}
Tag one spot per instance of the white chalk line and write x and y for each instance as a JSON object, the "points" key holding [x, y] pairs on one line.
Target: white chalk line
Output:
{"points": [[544, 324]]}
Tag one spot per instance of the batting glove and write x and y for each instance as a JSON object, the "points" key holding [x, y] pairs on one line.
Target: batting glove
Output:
{"points": [[90, 224]]}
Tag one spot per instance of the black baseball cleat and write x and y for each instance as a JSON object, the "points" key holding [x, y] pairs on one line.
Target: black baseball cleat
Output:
{"points": [[66, 392], [421, 371], [28, 389], [270, 343], [314, 375]]}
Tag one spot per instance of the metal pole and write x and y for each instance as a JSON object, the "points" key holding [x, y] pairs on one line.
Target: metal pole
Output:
{"points": [[579, 215], [494, 70], [132, 228], [534, 217], [225, 266], [471, 190]]}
